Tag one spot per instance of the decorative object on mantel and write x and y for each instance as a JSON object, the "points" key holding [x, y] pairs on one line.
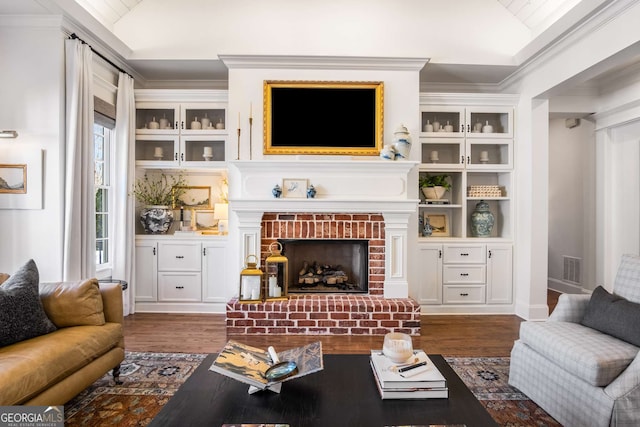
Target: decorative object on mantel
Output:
{"points": [[487, 128], [435, 186], [277, 273], [276, 191], [311, 192], [250, 282], [388, 153], [482, 220], [157, 194], [402, 142], [294, 188], [484, 157]]}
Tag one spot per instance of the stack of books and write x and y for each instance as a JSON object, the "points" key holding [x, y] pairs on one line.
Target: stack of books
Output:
{"points": [[417, 378]]}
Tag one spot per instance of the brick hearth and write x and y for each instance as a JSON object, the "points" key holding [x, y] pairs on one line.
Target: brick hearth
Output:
{"points": [[325, 315]]}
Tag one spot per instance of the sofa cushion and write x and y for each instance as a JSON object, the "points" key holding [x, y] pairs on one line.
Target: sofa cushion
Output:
{"points": [[29, 367], [613, 315], [21, 313], [595, 357], [73, 303]]}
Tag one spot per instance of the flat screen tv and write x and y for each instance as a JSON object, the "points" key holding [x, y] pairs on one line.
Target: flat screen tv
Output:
{"points": [[317, 117]]}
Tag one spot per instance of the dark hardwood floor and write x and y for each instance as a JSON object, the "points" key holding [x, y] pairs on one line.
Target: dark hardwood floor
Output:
{"points": [[456, 335]]}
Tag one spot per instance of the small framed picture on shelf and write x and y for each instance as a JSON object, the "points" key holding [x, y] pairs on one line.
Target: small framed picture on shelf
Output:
{"points": [[294, 188], [205, 220], [193, 198], [439, 223]]}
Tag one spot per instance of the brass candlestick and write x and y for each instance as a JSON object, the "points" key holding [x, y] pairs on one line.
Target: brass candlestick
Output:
{"points": [[250, 136], [238, 158]]}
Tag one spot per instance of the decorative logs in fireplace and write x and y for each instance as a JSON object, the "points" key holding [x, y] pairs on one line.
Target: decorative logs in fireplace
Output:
{"points": [[316, 274]]}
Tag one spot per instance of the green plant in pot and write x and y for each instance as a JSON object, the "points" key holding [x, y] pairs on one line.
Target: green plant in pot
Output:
{"points": [[157, 194], [434, 186]]}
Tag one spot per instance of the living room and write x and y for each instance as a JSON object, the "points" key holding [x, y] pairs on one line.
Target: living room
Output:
{"points": [[584, 66]]}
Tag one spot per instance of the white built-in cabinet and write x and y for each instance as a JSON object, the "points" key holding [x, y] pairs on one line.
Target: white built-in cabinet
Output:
{"points": [[180, 274], [470, 138], [181, 132]]}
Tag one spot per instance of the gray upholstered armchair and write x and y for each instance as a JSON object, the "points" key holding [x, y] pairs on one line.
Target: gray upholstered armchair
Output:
{"points": [[580, 375]]}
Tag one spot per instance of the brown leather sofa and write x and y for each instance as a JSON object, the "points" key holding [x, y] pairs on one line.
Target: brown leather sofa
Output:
{"points": [[53, 368]]}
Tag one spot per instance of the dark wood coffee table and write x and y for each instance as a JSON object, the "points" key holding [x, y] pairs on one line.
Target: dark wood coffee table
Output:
{"points": [[343, 394]]}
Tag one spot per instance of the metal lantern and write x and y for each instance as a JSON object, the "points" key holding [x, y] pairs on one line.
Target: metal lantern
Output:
{"points": [[277, 274], [250, 282]]}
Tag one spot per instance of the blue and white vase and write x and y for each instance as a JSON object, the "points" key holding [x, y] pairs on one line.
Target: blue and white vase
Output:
{"points": [[311, 192], [156, 219], [388, 153], [276, 191], [402, 142], [482, 220]]}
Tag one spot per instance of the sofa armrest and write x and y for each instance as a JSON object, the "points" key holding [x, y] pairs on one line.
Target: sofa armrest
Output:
{"points": [[112, 302], [625, 392], [570, 308]]}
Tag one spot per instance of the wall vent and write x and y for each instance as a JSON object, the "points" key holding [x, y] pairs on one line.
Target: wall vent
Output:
{"points": [[572, 270]]}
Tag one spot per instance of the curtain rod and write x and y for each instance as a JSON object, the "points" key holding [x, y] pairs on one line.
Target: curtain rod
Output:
{"points": [[74, 36]]}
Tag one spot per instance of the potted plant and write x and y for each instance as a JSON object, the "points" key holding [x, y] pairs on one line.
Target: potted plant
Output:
{"points": [[434, 186], [157, 194]]}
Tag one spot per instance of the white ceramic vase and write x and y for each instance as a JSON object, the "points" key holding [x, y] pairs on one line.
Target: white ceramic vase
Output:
{"points": [[434, 193]]}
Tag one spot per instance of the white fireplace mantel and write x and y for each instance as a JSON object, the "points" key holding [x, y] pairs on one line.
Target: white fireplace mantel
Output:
{"points": [[343, 186]]}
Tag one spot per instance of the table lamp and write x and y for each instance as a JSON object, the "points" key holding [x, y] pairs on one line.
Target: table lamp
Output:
{"points": [[221, 213]]}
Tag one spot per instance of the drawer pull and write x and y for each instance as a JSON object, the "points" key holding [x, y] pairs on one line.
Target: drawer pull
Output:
{"points": [[464, 274], [464, 254], [179, 287], [464, 295], [179, 256]]}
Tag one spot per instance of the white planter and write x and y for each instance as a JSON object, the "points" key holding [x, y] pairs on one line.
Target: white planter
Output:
{"points": [[434, 193]]}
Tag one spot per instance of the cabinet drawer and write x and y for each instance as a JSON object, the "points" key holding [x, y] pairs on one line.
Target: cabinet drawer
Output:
{"points": [[464, 274], [179, 287], [464, 254], [179, 257], [453, 294]]}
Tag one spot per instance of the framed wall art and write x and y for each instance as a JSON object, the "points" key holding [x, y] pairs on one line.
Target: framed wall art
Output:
{"points": [[439, 223], [21, 178], [193, 198]]}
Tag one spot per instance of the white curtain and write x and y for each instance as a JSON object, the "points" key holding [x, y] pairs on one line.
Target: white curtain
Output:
{"points": [[124, 209], [79, 194]]}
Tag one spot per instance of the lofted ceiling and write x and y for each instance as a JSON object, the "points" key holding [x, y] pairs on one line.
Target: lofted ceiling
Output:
{"points": [[468, 42]]}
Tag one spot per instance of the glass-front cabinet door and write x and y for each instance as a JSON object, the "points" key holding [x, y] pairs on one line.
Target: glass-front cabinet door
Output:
{"points": [[438, 153], [492, 154], [157, 118], [489, 122], [198, 118], [202, 150], [442, 121], [157, 150]]}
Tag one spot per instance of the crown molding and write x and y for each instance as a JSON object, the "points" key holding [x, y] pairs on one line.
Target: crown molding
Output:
{"points": [[322, 62], [34, 21], [471, 99], [181, 95]]}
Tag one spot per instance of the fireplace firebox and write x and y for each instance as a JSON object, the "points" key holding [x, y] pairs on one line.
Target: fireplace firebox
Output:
{"points": [[327, 265]]}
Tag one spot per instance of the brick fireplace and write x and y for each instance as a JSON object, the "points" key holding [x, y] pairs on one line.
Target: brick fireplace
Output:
{"points": [[355, 200]]}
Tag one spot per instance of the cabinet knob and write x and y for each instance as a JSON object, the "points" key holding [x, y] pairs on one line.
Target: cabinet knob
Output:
{"points": [[461, 128], [154, 251], [179, 256], [464, 254], [462, 160], [468, 160], [176, 126], [464, 274], [175, 156], [464, 295], [182, 157], [204, 251], [489, 254], [179, 287], [468, 127], [182, 125]]}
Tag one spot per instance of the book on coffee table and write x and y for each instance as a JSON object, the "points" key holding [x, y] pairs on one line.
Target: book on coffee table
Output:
{"points": [[249, 364], [417, 378]]}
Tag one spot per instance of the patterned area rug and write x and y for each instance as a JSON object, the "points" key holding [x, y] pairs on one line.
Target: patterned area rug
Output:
{"points": [[150, 379]]}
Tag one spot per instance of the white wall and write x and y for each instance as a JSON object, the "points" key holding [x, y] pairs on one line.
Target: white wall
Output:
{"points": [[32, 103], [571, 201]]}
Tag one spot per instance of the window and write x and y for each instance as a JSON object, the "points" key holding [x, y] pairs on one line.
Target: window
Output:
{"points": [[102, 176]]}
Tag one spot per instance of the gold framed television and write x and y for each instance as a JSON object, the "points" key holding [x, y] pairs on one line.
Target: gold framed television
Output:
{"points": [[323, 117]]}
